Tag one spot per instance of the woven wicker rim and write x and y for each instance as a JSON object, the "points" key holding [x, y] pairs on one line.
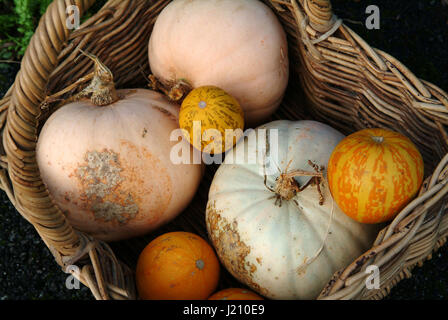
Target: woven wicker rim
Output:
{"points": [[347, 83]]}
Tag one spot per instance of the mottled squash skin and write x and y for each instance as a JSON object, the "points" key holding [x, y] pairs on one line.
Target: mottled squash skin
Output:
{"points": [[109, 168], [374, 173], [238, 46], [214, 111]]}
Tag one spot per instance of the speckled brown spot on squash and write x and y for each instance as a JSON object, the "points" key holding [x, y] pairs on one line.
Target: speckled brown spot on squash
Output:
{"points": [[231, 250], [112, 188], [160, 183], [101, 179], [301, 270]]}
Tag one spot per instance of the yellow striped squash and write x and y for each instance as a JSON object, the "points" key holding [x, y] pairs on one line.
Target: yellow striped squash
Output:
{"points": [[207, 116]]}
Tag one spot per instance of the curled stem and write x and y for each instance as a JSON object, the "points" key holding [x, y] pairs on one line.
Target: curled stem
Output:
{"points": [[287, 187]]}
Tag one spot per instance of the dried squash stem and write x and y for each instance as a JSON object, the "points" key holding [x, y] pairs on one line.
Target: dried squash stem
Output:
{"points": [[175, 90], [101, 89]]}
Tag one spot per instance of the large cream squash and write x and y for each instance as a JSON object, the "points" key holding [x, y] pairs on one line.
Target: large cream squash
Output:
{"points": [[282, 242], [238, 46], [109, 169]]}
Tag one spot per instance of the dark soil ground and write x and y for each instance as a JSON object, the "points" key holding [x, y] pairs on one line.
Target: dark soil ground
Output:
{"points": [[415, 32]]}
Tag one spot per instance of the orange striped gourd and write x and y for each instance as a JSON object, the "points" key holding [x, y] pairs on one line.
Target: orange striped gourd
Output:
{"points": [[374, 173]]}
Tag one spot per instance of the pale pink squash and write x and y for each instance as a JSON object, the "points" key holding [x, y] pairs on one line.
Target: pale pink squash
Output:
{"points": [[238, 46], [108, 168]]}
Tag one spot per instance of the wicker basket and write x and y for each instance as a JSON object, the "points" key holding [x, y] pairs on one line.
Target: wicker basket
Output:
{"points": [[348, 85]]}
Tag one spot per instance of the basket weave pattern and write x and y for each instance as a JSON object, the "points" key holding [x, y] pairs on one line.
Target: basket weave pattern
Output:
{"points": [[347, 84]]}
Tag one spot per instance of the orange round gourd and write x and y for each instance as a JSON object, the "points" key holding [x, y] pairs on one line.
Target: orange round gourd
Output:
{"points": [[235, 294], [177, 266], [374, 173]]}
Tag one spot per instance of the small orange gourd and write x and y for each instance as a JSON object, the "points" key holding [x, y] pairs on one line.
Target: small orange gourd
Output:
{"points": [[235, 294], [177, 266]]}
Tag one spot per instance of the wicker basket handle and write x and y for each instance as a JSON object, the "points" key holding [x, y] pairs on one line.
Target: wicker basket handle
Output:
{"points": [[320, 14], [104, 275], [20, 133]]}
